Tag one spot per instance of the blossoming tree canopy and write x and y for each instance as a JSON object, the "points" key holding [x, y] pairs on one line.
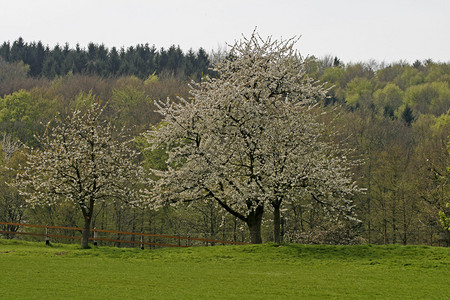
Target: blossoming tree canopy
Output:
{"points": [[83, 160], [247, 138]]}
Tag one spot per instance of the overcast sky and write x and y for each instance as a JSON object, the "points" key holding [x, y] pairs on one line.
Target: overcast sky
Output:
{"points": [[353, 30]]}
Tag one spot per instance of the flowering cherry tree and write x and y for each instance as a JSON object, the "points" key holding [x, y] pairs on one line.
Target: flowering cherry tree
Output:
{"points": [[249, 140], [83, 160]]}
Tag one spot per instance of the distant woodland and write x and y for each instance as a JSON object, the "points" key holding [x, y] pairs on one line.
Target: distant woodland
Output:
{"points": [[395, 116], [140, 61]]}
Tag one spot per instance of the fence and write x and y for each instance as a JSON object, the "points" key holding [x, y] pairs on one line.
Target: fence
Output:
{"points": [[188, 241]]}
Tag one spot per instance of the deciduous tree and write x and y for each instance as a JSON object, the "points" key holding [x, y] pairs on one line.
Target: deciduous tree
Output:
{"points": [[83, 160], [11, 203], [248, 139]]}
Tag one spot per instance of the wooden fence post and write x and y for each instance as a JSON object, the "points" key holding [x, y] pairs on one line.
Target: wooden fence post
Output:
{"points": [[142, 242], [47, 238], [95, 236]]}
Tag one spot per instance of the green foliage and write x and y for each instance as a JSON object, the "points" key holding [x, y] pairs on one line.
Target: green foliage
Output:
{"points": [[155, 159], [152, 78], [16, 107], [353, 71], [389, 99], [131, 103], [410, 76], [445, 221], [13, 71], [83, 101], [438, 72], [390, 73], [333, 75], [441, 124], [358, 90], [22, 112], [428, 98]]}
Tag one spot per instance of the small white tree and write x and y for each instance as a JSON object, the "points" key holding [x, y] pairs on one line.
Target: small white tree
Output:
{"points": [[83, 160], [11, 203], [248, 138], [9, 146]]}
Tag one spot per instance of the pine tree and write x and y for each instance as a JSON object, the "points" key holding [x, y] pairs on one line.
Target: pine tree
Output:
{"points": [[407, 115]]}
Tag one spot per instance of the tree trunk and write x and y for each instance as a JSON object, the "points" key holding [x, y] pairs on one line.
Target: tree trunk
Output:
{"points": [[276, 223], [254, 221], [211, 222], [86, 233]]}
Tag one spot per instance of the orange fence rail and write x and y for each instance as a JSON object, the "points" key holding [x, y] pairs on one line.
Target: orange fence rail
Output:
{"points": [[96, 238]]}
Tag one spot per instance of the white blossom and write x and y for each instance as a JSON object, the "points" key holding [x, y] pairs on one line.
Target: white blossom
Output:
{"points": [[249, 139], [83, 160]]}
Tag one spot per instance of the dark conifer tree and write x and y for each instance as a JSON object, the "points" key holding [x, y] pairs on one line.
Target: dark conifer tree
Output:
{"points": [[113, 62], [5, 51], [162, 61], [38, 55], [202, 62], [408, 116], [18, 51], [190, 62]]}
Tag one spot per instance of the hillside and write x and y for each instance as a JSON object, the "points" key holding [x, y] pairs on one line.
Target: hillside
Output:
{"points": [[393, 118]]}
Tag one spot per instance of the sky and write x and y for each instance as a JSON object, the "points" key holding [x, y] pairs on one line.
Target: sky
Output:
{"points": [[352, 30]]}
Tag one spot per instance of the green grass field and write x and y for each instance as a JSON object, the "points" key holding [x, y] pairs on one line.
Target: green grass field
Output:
{"points": [[35, 271]]}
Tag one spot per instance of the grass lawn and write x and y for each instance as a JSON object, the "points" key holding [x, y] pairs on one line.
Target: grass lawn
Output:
{"points": [[35, 271]]}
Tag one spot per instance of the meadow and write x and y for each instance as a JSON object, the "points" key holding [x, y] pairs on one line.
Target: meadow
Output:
{"points": [[30, 270]]}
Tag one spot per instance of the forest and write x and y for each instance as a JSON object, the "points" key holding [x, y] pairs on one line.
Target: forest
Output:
{"points": [[395, 117]]}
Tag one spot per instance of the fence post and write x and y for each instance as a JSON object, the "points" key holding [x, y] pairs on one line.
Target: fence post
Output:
{"points": [[47, 238], [142, 242], [95, 236], [179, 241]]}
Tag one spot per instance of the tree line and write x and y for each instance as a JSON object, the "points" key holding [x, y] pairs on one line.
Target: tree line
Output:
{"points": [[395, 117], [140, 60]]}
